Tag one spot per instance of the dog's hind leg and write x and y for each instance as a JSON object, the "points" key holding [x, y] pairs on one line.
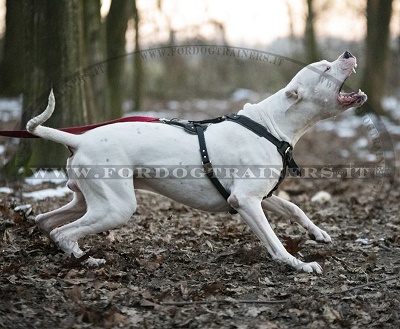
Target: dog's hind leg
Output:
{"points": [[68, 213], [251, 211], [109, 205], [290, 210]]}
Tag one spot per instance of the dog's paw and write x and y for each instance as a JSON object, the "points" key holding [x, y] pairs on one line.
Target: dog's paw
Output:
{"points": [[95, 261], [65, 244], [319, 235], [313, 267]]}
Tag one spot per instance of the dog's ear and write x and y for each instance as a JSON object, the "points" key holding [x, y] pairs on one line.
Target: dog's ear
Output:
{"points": [[291, 93], [293, 90]]}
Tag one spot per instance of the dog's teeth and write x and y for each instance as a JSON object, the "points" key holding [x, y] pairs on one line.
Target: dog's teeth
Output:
{"points": [[360, 92]]}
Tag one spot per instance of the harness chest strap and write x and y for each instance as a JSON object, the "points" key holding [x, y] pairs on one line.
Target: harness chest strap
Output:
{"points": [[284, 149], [205, 160]]}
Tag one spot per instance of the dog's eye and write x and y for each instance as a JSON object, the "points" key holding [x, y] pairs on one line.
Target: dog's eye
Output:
{"points": [[327, 69]]}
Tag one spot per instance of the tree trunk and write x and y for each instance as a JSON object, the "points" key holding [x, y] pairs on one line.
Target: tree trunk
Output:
{"points": [[53, 58], [11, 78], [95, 44], [291, 20], [116, 25], [377, 52], [138, 69], [310, 41]]}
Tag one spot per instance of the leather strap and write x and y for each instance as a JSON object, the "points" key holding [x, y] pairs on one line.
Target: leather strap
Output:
{"points": [[283, 147], [207, 166], [78, 129], [188, 126]]}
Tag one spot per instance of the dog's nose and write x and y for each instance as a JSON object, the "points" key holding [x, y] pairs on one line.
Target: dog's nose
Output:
{"points": [[347, 54]]}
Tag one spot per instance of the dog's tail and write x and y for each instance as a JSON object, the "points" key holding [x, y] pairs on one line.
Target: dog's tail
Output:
{"points": [[34, 126]]}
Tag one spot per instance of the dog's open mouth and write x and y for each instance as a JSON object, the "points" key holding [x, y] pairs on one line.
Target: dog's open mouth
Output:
{"points": [[352, 99]]}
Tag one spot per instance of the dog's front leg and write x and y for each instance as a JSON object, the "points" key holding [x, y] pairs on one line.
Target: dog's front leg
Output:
{"points": [[290, 210], [251, 211]]}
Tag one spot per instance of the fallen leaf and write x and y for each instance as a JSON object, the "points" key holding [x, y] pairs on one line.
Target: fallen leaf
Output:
{"points": [[147, 303], [74, 293], [212, 288], [293, 245], [253, 311]]}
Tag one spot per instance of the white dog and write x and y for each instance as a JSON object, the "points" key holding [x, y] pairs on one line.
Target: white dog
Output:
{"points": [[101, 203]]}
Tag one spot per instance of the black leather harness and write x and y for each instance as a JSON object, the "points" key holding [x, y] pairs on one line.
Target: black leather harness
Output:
{"points": [[198, 128]]}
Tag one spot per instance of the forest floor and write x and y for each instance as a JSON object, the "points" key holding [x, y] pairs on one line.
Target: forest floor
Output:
{"points": [[175, 267]]}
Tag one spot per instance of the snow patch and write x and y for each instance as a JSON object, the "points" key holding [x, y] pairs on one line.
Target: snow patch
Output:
{"points": [[54, 176], [242, 94], [10, 109], [321, 197], [6, 190], [363, 241], [391, 105], [361, 143], [345, 125], [48, 193]]}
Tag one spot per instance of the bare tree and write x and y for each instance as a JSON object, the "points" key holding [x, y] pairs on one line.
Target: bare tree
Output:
{"points": [[310, 41], [291, 19], [116, 25], [60, 44], [377, 52], [11, 70], [138, 67], [53, 56], [96, 89]]}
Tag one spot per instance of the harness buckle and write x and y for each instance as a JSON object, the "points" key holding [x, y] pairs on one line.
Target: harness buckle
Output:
{"points": [[208, 169], [288, 153], [285, 150]]}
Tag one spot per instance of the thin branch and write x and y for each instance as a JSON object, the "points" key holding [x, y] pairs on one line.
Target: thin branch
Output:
{"points": [[252, 301], [364, 285], [223, 301]]}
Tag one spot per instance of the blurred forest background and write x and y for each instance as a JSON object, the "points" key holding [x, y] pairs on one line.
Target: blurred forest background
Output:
{"points": [[95, 55]]}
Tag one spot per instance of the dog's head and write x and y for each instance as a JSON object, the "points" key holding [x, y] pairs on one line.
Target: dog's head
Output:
{"points": [[321, 83]]}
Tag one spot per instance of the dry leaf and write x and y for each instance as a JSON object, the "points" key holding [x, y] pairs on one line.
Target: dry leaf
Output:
{"points": [[74, 293], [212, 288], [293, 245]]}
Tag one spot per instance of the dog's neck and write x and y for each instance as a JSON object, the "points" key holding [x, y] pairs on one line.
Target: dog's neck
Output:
{"points": [[281, 121]]}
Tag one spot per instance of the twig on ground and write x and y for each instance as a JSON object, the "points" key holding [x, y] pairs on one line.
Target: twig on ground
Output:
{"points": [[223, 301], [251, 301], [381, 245], [364, 285]]}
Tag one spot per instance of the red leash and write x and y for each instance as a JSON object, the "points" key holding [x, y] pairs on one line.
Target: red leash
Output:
{"points": [[79, 129]]}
